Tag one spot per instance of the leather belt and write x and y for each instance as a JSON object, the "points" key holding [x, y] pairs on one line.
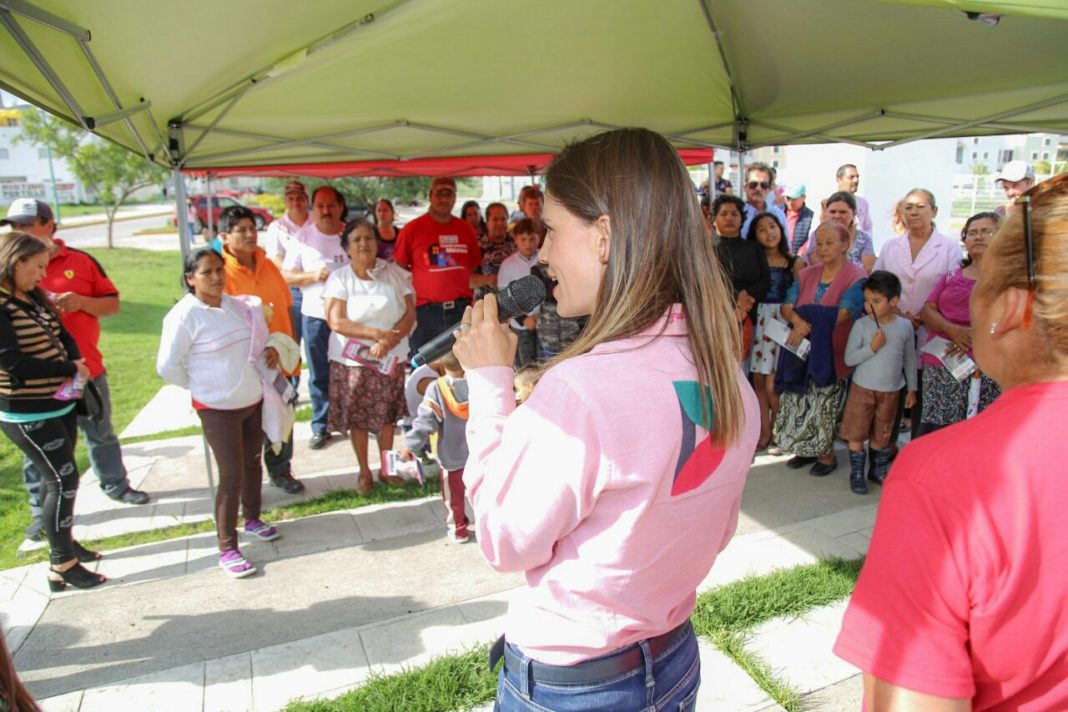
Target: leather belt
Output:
{"points": [[590, 671], [446, 306]]}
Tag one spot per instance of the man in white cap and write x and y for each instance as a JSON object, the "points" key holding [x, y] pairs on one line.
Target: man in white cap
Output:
{"points": [[798, 218], [1016, 178], [81, 293]]}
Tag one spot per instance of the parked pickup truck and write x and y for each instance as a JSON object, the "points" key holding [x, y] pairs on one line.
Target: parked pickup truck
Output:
{"points": [[218, 202]]}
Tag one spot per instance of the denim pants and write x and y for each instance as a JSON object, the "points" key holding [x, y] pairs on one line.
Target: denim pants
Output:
{"points": [[297, 322], [49, 444], [668, 682], [316, 343], [105, 454], [433, 318]]}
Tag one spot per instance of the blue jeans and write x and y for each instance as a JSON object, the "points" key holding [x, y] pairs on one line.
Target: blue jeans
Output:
{"points": [[105, 454], [316, 343], [668, 682], [295, 317], [433, 318]]}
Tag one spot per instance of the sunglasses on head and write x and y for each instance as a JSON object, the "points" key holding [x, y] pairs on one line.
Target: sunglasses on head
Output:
{"points": [[1024, 201], [753, 185]]}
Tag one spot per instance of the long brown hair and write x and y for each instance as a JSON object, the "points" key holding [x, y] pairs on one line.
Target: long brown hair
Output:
{"points": [[659, 256], [18, 697]]}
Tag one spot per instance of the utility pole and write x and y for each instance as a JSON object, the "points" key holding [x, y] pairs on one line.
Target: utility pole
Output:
{"points": [[55, 193]]}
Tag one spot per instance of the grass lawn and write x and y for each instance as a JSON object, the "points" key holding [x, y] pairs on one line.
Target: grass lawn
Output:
{"points": [[77, 211], [149, 285], [723, 616]]}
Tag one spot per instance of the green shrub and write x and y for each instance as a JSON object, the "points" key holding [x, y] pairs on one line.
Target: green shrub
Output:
{"points": [[275, 203]]}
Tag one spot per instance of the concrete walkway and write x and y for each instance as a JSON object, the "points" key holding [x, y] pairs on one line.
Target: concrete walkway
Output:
{"points": [[344, 594]]}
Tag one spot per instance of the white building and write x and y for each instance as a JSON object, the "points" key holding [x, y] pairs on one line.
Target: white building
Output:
{"points": [[25, 171]]}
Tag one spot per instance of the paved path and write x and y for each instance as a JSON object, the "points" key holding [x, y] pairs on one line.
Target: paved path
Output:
{"points": [[346, 593]]}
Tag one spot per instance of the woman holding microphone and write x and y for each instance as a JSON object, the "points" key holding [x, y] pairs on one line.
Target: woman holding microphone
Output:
{"points": [[632, 447]]}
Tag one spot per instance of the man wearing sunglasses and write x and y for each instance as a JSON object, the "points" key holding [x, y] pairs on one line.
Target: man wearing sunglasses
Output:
{"points": [[441, 251], [759, 183]]}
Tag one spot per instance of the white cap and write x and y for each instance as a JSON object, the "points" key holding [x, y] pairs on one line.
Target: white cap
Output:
{"points": [[1014, 171]]}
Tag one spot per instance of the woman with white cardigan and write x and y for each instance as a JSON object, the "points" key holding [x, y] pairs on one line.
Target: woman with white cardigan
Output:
{"points": [[211, 344]]}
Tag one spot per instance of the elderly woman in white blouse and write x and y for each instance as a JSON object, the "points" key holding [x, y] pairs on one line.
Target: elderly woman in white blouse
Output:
{"points": [[370, 306], [211, 343]]}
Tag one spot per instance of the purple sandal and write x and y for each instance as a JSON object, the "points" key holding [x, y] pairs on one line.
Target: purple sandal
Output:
{"points": [[234, 564], [258, 529]]}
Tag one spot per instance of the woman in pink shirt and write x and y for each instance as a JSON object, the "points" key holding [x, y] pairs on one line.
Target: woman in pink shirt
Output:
{"points": [[946, 315], [961, 603], [617, 482]]}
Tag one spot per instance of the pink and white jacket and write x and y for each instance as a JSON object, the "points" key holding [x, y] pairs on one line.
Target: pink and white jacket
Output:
{"points": [[604, 492]]}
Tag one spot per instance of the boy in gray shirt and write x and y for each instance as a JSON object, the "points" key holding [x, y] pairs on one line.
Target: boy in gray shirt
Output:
{"points": [[444, 411], [882, 350]]}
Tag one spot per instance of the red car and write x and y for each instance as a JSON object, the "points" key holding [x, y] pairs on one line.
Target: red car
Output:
{"points": [[218, 202]]}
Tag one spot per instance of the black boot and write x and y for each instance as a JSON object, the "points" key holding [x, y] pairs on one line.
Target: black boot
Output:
{"points": [[856, 473], [880, 460]]}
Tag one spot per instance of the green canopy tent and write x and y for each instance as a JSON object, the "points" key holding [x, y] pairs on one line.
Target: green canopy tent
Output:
{"points": [[247, 84]]}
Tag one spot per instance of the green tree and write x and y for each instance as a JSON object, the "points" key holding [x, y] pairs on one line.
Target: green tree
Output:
{"points": [[1043, 167], [111, 172], [980, 169]]}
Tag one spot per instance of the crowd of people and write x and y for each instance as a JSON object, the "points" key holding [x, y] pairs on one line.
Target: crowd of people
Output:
{"points": [[842, 343], [729, 326]]}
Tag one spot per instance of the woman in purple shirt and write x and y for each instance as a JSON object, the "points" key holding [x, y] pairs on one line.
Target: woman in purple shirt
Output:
{"points": [[946, 315]]}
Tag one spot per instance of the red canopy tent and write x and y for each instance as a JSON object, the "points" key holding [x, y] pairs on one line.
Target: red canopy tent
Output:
{"points": [[522, 164]]}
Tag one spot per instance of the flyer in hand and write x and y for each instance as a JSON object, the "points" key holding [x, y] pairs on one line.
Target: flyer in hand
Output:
{"points": [[957, 363], [361, 353], [779, 332]]}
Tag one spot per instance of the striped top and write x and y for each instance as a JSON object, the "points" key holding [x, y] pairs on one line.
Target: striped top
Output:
{"points": [[36, 356]]}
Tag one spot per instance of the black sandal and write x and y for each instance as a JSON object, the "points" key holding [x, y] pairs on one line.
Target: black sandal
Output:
{"points": [[84, 555], [77, 576]]}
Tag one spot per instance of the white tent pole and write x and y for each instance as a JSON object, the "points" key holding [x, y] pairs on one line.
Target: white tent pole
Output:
{"points": [[184, 238], [209, 229], [741, 174]]}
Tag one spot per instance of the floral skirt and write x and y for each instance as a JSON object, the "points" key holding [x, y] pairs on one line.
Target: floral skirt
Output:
{"points": [[765, 353], [807, 423], [945, 399], [364, 398]]}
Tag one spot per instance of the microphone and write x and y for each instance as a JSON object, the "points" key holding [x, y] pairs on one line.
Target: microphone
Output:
{"points": [[519, 297]]}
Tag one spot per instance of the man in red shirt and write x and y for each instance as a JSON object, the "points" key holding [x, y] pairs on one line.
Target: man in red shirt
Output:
{"points": [[441, 251], [82, 293]]}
